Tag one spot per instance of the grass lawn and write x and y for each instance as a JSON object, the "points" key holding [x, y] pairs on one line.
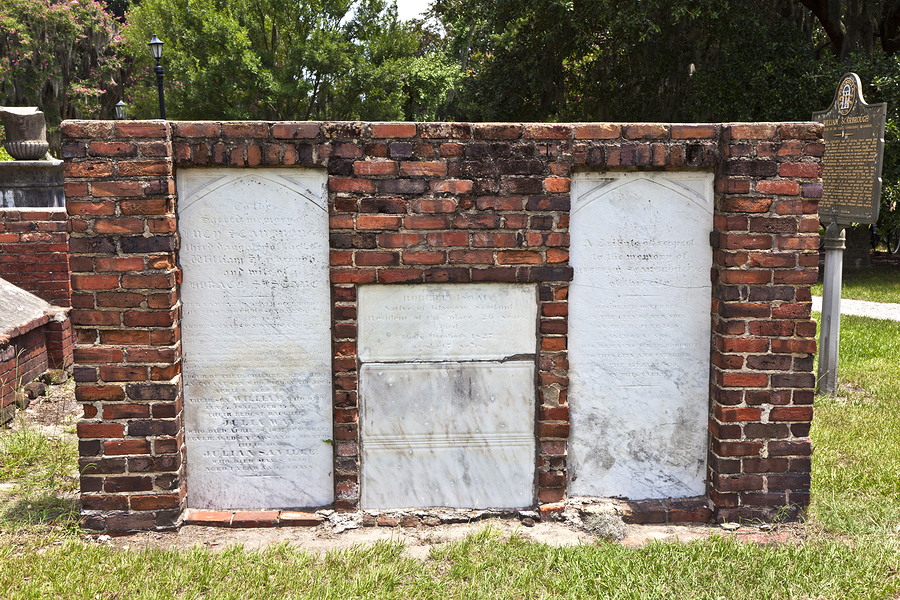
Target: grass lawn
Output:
{"points": [[881, 283], [850, 547]]}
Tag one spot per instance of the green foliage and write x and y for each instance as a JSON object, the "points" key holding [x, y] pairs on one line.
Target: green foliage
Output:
{"points": [[61, 56], [322, 60]]}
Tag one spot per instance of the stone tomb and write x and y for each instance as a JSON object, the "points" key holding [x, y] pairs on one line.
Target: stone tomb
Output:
{"points": [[639, 334], [256, 338], [447, 395]]}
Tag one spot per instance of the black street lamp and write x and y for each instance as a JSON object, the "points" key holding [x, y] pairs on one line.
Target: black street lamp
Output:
{"points": [[120, 110], [156, 45]]}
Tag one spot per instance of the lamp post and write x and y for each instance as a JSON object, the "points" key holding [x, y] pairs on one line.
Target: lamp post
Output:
{"points": [[156, 45], [120, 110]]}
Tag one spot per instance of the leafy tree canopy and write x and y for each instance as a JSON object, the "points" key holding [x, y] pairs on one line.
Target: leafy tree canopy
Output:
{"points": [[61, 56], [320, 60]]}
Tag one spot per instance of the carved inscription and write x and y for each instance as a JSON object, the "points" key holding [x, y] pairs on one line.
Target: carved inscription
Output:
{"points": [[256, 338], [639, 329], [446, 322]]}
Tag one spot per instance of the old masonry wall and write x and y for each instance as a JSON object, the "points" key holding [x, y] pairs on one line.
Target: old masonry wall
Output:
{"points": [[417, 203]]}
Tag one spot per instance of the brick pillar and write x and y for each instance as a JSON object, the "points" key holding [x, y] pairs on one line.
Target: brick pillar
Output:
{"points": [[120, 199], [765, 240]]}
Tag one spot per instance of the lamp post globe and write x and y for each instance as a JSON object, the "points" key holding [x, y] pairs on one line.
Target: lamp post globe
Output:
{"points": [[120, 110]]}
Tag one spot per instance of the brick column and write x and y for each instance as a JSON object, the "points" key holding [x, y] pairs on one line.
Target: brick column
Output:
{"points": [[765, 240], [121, 203]]}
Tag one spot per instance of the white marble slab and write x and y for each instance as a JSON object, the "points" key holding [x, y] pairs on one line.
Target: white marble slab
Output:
{"points": [[257, 338], [452, 434], [447, 321], [639, 334]]}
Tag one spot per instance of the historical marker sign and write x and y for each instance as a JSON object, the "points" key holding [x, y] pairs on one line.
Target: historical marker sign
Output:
{"points": [[854, 147]]}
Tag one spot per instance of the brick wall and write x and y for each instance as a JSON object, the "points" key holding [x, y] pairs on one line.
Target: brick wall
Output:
{"points": [[440, 202], [34, 252], [29, 349]]}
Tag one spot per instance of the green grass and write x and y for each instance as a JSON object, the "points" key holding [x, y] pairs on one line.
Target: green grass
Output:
{"points": [[856, 457], [484, 565], [881, 283], [44, 474]]}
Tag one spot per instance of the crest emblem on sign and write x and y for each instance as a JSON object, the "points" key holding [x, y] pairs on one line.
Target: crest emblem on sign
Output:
{"points": [[847, 95]]}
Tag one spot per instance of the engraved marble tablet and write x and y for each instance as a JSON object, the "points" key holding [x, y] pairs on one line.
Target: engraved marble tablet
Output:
{"points": [[462, 321], [448, 434], [256, 337], [639, 334]]}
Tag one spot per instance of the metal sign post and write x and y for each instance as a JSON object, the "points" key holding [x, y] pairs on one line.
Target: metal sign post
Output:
{"points": [[851, 176]]}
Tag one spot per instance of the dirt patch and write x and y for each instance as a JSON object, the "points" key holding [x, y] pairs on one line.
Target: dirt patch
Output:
{"points": [[419, 540]]}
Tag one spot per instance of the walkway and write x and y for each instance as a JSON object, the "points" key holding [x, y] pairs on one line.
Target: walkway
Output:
{"points": [[863, 308]]}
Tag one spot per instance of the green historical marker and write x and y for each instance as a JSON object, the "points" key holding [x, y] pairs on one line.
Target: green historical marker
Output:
{"points": [[851, 193]]}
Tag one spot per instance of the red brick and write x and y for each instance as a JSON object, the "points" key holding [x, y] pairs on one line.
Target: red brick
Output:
{"points": [[400, 276], [748, 205], [737, 448], [423, 258], [810, 169], [685, 132], [378, 222], [736, 415], [743, 379], [197, 130], [400, 240], [123, 373], [124, 447], [125, 411], [557, 185], [120, 263], [754, 131], [548, 132], [597, 131], [490, 239], [449, 238], [434, 205], [245, 130], [115, 188], [119, 149], [393, 130], [255, 518], [368, 168], [791, 413], [451, 186], [88, 208], [424, 169], [95, 282], [497, 131], [646, 132], [295, 131], [471, 257], [100, 430], [140, 129], [519, 257], [358, 186], [781, 188]]}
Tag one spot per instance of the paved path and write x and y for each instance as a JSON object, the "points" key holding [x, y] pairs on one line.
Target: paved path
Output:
{"points": [[862, 308]]}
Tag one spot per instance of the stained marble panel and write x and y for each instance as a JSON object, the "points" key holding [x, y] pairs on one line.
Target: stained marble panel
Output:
{"points": [[639, 334], [477, 321], [256, 337], [447, 434]]}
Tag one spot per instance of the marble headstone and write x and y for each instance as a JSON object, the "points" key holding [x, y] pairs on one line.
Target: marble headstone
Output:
{"points": [[447, 395], [256, 338], [639, 334]]}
